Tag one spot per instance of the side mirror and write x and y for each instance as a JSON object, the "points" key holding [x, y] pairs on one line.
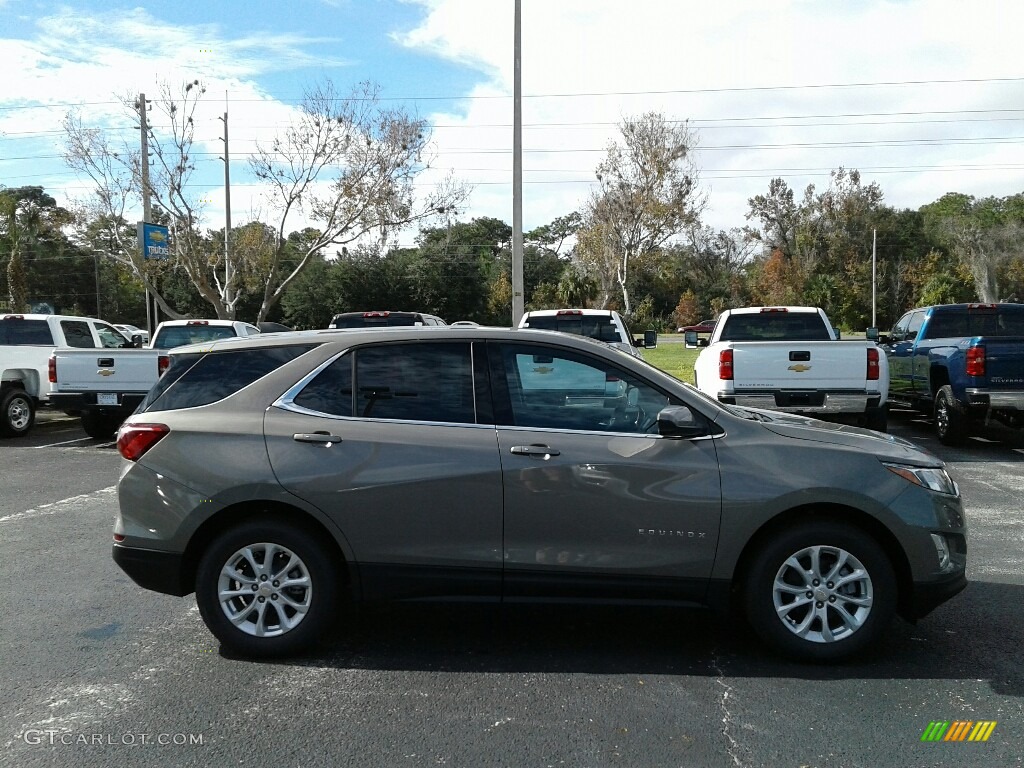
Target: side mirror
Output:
{"points": [[872, 334], [839, 334], [690, 338], [651, 339], [678, 421], [703, 342], [136, 342]]}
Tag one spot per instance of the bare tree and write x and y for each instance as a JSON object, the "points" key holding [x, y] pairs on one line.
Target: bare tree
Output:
{"points": [[648, 194], [347, 165], [117, 178]]}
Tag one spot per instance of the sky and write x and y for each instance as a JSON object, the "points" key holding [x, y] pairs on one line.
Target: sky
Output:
{"points": [[923, 97]]}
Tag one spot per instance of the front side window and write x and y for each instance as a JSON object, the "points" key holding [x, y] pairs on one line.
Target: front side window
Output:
{"points": [[109, 337], [77, 334], [551, 388], [916, 321]]}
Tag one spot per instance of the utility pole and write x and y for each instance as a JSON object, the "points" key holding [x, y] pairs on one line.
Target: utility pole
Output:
{"points": [[874, 243], [146, 210], [228, 292], [96, 266], [518, 303]]}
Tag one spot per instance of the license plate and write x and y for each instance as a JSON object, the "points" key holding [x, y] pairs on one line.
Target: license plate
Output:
{"points": [[105, 398]]}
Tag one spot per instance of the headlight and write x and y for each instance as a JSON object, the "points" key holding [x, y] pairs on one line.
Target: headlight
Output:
{"points": [[927, 477]]}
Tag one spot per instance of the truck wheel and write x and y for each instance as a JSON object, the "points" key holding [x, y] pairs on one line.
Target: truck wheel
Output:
{"points": [[100, 426], [820, 590], [17, 413], [951, 419], [878, 419]]}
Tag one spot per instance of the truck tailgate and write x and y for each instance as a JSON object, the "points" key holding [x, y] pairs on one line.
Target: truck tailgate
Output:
{"points": [[106, 370], [1004, 361], [817, 365]]}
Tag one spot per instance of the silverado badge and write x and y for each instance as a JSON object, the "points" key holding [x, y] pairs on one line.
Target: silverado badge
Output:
{"points": [[799, 367]]}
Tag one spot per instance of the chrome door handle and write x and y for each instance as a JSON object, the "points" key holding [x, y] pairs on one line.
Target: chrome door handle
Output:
{"points": [[316, 437], [542, 451]]}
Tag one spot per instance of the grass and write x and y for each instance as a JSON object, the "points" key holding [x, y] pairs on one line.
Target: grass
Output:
{"points": [[674, 359]]}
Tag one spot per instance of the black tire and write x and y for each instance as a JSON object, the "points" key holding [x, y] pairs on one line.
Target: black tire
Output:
{"points": [[820, 619], [951, 420], [101, 426], [17, 413], [320, 598], [878, 419]]}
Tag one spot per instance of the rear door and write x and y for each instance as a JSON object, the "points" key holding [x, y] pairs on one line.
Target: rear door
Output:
{"points": [[387, 439]]}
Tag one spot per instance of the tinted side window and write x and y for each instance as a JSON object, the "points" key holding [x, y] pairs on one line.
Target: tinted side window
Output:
{"points": [[916, 321], [942, 325], [77, 334], [25, 332], [555, 389], [331, 391], [217, 375], [415, 382]]}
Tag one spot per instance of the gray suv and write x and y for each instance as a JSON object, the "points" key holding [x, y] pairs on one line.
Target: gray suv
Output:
{"points": [[276, 476]]}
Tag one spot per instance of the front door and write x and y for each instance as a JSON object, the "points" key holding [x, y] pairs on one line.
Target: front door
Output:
{"points": [[597, 503]]}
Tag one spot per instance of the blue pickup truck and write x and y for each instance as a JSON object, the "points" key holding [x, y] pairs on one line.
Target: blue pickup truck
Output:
{"points": [[960, 362]]}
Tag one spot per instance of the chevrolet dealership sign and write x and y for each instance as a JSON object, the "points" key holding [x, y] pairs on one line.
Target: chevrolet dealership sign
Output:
{"points": [[154, 241]]}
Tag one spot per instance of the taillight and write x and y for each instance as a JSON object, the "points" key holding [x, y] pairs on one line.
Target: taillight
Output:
{"points": [[975, 361], [872, 363], [135, 439], [162, 363], [51, 369], [569, 312], [725, 365]]}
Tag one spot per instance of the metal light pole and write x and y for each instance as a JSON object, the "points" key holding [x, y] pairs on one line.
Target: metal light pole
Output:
{"points": [[228, 292], [874, 242], [146, 210], [518, 302]]}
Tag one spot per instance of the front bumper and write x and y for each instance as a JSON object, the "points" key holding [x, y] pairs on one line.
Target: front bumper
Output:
{"points": [[926, 597], [151, 569]]}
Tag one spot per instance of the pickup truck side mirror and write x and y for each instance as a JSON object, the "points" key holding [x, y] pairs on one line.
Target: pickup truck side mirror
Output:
{"points": [[651, 339], [872, 334], [136, 342]]}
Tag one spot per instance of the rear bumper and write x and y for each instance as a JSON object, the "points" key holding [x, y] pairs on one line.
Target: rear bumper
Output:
{"points": [[151, 569], [79, 401], [812, 402], [1004, 400]]}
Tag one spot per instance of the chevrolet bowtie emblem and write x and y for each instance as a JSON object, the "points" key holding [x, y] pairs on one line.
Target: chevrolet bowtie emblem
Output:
{"points": [[799, 368], [106, 372]]}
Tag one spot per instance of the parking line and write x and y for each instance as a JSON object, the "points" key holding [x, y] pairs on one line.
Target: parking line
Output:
{"points": [[66, 442]]}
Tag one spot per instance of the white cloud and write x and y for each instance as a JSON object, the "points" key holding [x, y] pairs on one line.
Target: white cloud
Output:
{"points": [[703, 63]]}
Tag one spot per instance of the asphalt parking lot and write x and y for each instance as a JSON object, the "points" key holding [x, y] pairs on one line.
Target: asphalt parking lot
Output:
{"points": [[97, 672]]}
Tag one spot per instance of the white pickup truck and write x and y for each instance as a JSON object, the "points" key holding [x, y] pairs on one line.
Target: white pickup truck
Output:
{"points": [[106, 386], [26, 343], [791, 359], [605, 325]]}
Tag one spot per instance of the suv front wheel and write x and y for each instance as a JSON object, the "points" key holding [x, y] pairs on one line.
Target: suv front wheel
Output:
{"points": [[266, 589], [820, 591]]}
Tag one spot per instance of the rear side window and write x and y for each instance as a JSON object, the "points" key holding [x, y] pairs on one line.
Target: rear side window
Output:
{"points": [[180, 335], [598, 327], [17, 332], [201, 379], [411, 382], [77, 334]]}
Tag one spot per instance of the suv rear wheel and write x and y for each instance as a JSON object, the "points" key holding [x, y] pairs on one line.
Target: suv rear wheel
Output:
{"points": [[821, 591], [266, 589]]}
